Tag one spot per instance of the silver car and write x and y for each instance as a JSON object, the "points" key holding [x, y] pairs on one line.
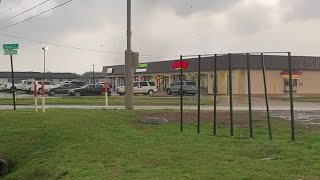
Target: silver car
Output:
{"points": [[141, 87], [188, 87]]}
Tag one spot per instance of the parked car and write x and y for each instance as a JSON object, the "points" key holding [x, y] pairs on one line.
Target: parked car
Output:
{"points": [[47, 86], [62, 89], [89, 89], [1, 87], [79, 83], [27, 86], [188, 87], [8, 87], [102, 83], [141, 87]]}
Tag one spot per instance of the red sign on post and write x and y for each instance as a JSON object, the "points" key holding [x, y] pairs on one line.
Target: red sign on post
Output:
{"points": [[177, 65], [105, 87], [35, 92], [42, 88]]}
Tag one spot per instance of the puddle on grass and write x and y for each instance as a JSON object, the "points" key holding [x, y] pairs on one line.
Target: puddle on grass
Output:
{"points": [[306, 117]]}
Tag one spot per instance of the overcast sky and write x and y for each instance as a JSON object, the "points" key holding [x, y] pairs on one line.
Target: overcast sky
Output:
{"points": [[161, 28]]}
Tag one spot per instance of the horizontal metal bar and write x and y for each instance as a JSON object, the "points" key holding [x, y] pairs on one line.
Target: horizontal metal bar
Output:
{"points": [[240, 53]]}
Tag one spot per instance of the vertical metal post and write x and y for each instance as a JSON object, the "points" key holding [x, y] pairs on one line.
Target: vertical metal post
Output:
{"points": [[129, 98], [266, 95], [106, 88], [215, 91], [181, 96], [249, 95], [230, 95], [93, 76], [43, 97], [44, 63], [13, 86], [199, 93], [35, 94], [291, 98]]}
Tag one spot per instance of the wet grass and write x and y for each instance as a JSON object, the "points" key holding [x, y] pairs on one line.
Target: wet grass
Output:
{"points": [[100, 144]]}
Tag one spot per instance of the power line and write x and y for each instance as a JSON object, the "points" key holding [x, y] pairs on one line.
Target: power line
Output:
{"points": [[36, 15], [24, 11]]}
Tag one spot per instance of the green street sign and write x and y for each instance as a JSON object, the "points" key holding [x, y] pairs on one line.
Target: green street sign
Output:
{"points": [[10, 52], [10, 46]]}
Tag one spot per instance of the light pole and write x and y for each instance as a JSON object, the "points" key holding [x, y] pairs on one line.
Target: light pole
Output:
{"points": [[44, 62], [129, 102]]}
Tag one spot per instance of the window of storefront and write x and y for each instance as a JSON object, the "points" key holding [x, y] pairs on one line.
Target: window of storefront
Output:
{"points": [[203, 82], [287, 85], [177, 78]]}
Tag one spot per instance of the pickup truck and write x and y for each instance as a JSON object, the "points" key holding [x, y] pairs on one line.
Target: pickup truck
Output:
{"points": [[8, 86], [47, 86], [188, 87]]}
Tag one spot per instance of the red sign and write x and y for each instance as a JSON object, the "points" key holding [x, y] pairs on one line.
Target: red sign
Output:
{"points": [[176, 65]]}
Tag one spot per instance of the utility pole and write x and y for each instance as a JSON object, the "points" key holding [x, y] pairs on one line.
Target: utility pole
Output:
{"points": [[129, 98], [93, 77], [44, 62]]}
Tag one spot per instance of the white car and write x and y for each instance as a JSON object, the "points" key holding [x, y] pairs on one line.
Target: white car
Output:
{"points": [[8, 86], [141, 87], [1, 87], [27, 86], [47, 86]]}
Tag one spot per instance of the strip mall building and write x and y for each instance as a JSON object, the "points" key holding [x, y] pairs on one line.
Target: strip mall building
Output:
{"points": [[306, 74]]}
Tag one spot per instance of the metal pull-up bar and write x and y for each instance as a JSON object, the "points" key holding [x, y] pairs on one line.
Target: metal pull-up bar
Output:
{"points": [[230, 92]]}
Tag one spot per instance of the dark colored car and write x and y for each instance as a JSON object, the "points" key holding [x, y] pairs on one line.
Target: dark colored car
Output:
{"points": [[89, 89], [62, 89]]}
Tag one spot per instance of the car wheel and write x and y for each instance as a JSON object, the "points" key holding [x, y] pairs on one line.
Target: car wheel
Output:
{"points": [[29, 91], [103, 93], [39, 91], [52, 93], [151, 92], [169, 92], [11, 89], [77, 94]]}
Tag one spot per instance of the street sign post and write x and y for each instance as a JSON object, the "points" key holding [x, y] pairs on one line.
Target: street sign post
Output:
{"points": [[11, 49]]}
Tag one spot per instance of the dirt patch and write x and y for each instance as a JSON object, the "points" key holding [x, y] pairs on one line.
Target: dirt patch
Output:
{"points": [[241, 118]]}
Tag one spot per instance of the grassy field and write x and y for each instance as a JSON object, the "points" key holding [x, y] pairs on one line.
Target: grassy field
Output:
{"points": [[113, 101], [100, 144]]}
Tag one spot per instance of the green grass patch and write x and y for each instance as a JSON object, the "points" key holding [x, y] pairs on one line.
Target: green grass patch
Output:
{"points": [[101, 144]]}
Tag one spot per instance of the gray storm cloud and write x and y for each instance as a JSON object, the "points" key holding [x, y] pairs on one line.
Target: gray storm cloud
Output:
{"points": [[160, 28]]}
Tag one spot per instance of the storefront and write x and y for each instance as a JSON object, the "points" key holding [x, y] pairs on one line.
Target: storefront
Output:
{"points": [[306, 71]]}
